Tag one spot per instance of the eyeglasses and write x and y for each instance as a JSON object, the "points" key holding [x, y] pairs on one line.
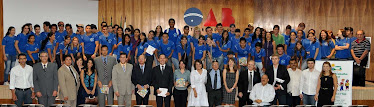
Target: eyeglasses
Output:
{"points": [[60, 25]]}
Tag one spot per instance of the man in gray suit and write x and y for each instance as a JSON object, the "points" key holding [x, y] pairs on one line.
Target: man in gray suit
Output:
{"points": [[45, 80], [68, 78], [104, 67], [122, 85]]}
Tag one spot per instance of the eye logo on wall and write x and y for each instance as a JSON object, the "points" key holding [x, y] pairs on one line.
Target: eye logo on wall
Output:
{"points": [[193, 16]]}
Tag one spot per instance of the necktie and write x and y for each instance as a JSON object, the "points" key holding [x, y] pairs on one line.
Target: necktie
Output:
{"points": [[105, 70], [250, 82], [44, 68], [162, 69], [72, 73], [215, 80], [142, 67], [123, 68]]}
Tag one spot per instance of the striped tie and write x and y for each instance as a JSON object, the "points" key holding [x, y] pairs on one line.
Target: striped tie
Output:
{"points": [[105, 70]]}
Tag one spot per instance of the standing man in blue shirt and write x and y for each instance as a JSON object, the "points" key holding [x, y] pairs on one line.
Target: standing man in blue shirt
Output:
{"points": [[90, 43], [167, 48], [287, 34], [232, 30], [172, 32], [283, 58], [214, 85], [106, 39]]}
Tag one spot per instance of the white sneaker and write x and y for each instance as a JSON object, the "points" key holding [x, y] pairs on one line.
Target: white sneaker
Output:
{"points": [[6, 83]]}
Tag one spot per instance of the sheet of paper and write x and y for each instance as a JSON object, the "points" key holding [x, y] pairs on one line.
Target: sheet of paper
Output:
{"points": [[163, 92], [104, 89], [150, 49], [142, 92]]}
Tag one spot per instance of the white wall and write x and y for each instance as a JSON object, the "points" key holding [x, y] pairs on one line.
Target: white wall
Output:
{"points": [[19, 12]]}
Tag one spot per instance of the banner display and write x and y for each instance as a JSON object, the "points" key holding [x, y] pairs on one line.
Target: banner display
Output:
{"points": [[343, 71]]}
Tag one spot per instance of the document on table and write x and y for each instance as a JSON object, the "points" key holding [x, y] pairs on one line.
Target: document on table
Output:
{"points": [[163, 92], [150, 49]]}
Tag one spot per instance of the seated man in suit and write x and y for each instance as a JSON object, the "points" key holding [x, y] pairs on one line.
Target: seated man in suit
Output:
{"points": [[279, 78], [162, 77], [121, 78], [214, 85], [68, 79], [247, 79], [142, 78], [262, 93]]}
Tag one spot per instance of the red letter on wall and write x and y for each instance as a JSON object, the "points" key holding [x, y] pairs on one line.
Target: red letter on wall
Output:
{"points": [[211, 20], [227, 18]]}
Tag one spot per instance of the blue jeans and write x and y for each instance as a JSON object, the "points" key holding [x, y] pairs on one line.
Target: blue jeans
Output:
{"points": [[308, 99], [175, 62], [9, 64]]}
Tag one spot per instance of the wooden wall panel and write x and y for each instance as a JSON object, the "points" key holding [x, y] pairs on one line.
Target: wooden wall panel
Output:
{"points": [[1, 36], [147, 14], [318, 15]]}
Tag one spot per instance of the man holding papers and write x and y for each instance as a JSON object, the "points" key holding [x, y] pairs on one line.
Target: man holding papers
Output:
{"points": [[141, 78], [121, 78], [279, 78], [262, 93], [162, 82]]}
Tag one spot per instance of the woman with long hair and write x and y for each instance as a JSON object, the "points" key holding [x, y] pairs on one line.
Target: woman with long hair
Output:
{"points": [[158, 33], [48, 45], [118, 41], [151, 42], [21, 40], [125, 46], [269, 46], [257, 36], [312, 47], [79, 66], [32, 50], [9, 51], [290, 44], [230, 81], [63, 49], [142, 47], [327, 45], [326, 87], [89, 79], [342, 45], [75, 49], [300, 54]]}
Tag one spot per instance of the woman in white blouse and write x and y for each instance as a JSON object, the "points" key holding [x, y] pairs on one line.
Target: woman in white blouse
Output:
{"points": [[198, 95]]}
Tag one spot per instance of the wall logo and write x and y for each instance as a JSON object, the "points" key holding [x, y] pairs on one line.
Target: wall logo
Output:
{"points": [[193, 16], [336, 68]]}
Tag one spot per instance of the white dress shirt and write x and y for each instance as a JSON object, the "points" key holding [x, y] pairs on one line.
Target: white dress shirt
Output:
{"points": [[309, 81], [44, 65], [162, 67], [293, 85], [21, 77], [260, 92]]}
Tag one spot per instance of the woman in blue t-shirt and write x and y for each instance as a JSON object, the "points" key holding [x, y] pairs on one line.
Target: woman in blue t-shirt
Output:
{"points": [[75, 49], [32, 50], [290, 44], [183, 52], [63, 49], [257, 37], [125, 47], [300, 54], [142, 47], [118, 41], [9, 51], [312, 47], [225, 44], [48, 45], [342, 45], [151, 42], [199, 51], [327, 45]]}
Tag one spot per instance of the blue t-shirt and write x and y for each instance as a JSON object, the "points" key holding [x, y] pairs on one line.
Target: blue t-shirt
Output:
{"points": [[284, 60], [225, 47], [32, 47], [124, 48], [89, 43], [226, 60], [342, 54], [311, 48], [8, 42], [249, 39], [181, 50], [78, 36], [75, 50], [62, 47], [286, 37], [22, 41], [152, 43], [293, 30], [290, 47], [141, 48], [234, 42], [214, 50], [217, 37], [60, 36], [242, 52], [301, 54], [195, 40], [115, 51], [166, 48], [231, 34], [199, 51], [189, 39], [326, 48], [258, 56], [257, 40], [51, 46], [39, 38], [108, 41], [173, 34]]}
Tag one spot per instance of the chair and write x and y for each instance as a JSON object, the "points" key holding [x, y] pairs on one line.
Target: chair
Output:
{"points": [[33, 105]]}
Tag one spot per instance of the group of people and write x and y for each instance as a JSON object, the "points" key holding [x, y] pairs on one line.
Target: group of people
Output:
{"points": [[259, 67]]}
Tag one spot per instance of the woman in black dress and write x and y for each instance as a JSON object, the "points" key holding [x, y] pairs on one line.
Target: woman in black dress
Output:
{"points": [[327, 85]]}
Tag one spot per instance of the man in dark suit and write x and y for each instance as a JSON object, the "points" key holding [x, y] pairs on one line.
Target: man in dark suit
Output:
{"points": [[142, 78], [247, 79], [279, 78], [162, 77], [214, 85], [45, 78]]}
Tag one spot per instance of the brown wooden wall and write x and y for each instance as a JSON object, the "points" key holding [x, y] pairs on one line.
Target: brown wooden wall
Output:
{"points": [[147, 14], [1, 48], [318, 15]]}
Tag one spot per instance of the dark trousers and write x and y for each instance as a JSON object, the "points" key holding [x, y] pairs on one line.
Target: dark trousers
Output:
{"points": [[161, 100], [281, 98], [215, 98], [358, 76], [293, 101], [244, 100], [140, 100], [58, 60], [46, 100], [149, 61], [23, 96], [180, 97]]}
